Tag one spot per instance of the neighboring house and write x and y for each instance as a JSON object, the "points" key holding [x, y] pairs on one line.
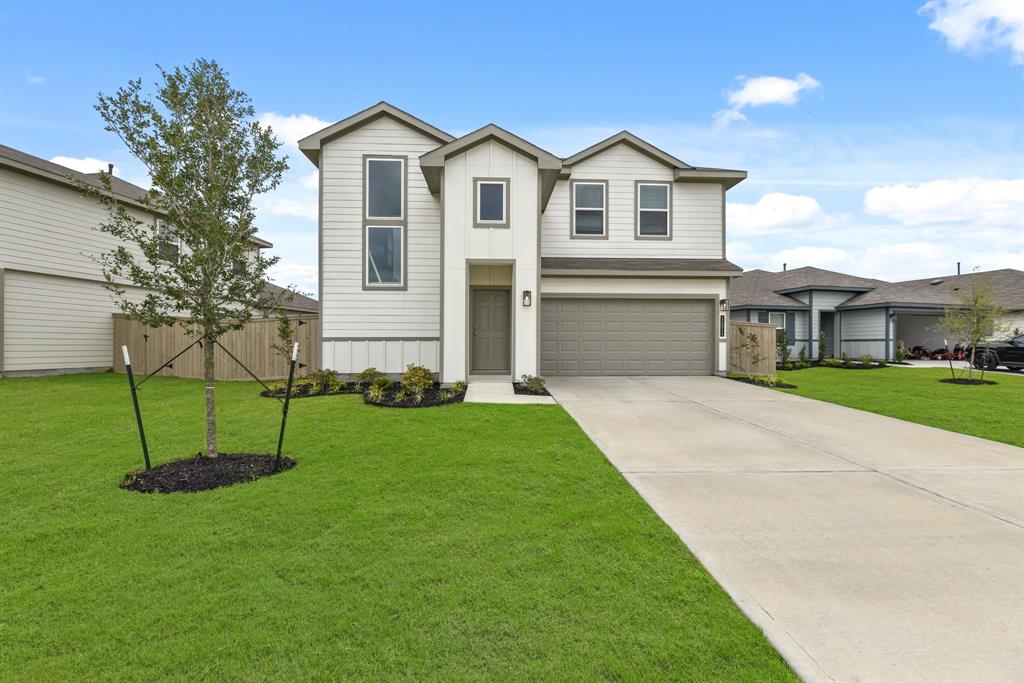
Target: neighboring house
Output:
{"points": [[485, 254], [55, 314], [862, 316]]}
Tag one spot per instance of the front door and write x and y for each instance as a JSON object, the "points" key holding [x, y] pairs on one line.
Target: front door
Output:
{"points": [[491, 331]]}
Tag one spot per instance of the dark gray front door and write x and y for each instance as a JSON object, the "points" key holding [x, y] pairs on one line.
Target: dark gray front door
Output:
{"points": [[491, 338]]}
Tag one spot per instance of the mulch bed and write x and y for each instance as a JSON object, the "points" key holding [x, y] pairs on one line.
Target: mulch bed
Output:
{"points": [[521, 389], [969, 382], [777, 385], [202, 474], [308, 390], [431, 398]]}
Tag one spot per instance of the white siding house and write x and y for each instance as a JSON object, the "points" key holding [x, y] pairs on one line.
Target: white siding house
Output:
{"points": [[55, 314], [488, 255]]}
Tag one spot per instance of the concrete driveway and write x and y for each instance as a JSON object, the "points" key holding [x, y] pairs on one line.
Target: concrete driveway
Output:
{"points": [[867, 548]]}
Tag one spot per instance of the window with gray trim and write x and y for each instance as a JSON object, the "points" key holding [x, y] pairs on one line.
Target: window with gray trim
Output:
{"points": [[492, 202], [652, 209], [385, 188], [589, 209], [169, 245], [384, 246]]}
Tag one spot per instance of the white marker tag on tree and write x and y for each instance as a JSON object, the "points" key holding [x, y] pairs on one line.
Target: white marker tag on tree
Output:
{"points": [[295, 351], [124, 350]]}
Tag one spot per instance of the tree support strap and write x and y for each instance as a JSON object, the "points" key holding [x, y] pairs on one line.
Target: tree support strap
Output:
{"points": [[251, 373]]}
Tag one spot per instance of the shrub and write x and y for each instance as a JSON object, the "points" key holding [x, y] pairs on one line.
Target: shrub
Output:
{"points": [[324, 381], [901, 353], [831, 362], [801, 364], [882, 363], [417, 379], [376, 393], [768, 380], [533, 383], [382, 382], [803, 354], [865, 361], [445, 395], [782, 344], [401, 394], [459, 387], [368, 376]]}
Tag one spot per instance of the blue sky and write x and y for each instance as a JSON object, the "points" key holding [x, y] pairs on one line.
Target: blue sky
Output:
{"points": [[885, 139]]}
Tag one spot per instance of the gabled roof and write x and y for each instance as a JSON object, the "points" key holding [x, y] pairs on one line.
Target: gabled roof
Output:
{"points": [[682, 170], [310, 145], [762, 288], [550, 166], [290, 301], [1007, 287]]}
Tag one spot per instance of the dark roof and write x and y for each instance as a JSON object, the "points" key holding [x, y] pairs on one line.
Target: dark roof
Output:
{"points": [[15, 158], [290, 300], [765, 288], [52, 171], [666, 265], [1007, 287]]}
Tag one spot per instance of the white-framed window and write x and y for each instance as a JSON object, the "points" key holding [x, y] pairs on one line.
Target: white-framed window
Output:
{"points": [[777, 319], [385, 188], [652, 210], [385, 246], [170, 242], [589, 209], [491, 202]]}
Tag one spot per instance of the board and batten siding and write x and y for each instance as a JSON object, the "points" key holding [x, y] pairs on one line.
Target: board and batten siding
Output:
{"points": [[823, 300], [696, 212], [386, 329]]}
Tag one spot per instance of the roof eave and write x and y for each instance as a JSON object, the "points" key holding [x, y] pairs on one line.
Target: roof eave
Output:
{"points": [[727, 178]]}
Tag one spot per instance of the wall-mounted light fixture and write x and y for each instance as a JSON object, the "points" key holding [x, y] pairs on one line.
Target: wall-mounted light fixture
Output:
{"points": [[723, 305], [527, 298]]}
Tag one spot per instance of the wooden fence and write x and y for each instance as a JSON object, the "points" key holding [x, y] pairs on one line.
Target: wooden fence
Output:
{"points": [[751, 348], [253, 345]]}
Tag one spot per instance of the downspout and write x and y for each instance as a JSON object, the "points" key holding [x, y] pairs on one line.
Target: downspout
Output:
{"points": [[2, 323], [810, 324], [888, 321]]}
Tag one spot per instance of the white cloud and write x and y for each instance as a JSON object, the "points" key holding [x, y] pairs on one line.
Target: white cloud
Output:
{"points": [[283, 206], [961, 200], [289, 129], [311, 181], [84, 164], [762, 90], [302, 275], [975, 26], [776, 213], [35, 80]]}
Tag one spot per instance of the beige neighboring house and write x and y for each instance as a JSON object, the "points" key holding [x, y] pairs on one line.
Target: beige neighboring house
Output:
{"points": [[55, 314], [486, 254]]}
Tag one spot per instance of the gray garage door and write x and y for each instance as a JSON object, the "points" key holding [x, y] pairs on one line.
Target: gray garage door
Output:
{"points": [[626, 337]]}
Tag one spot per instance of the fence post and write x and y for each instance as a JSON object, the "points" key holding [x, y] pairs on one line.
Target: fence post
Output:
{"points": [[287, 399], [135, 402]]}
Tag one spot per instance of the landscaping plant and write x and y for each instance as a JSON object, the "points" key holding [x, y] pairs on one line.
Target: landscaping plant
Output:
{"points": [[368, 376], [533, 383], [972, 319], [782, 344], [208, 158], [865, 361]]}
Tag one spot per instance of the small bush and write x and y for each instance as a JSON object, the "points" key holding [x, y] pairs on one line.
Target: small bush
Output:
{"points": [[401, 394], [901, 353], [831, 362], [803, 354], [376, 392], [324, 381], [381, 382], [767, 380], [533, 383], [368, 376], [417, 379], [865, 361], [459, 387], [801, 364], [882, 363], [445, 395]]}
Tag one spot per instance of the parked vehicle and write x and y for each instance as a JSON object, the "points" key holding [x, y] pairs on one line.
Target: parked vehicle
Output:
{"points": [[1009, 352]]}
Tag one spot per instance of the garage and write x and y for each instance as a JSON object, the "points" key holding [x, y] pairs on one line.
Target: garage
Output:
{"points": [[584, 336]]}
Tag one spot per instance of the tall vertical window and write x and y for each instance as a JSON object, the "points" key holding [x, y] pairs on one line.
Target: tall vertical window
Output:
{"points": [[170, 244], [491, 202], [385, 189], [589, 209], [652, 210], [384, 254]]}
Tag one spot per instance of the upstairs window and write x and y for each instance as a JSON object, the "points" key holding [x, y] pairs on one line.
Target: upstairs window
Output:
{"points": [[384, 255], [169, 243], [652, 210], [491, 200], [589, 209], [385, 189]]}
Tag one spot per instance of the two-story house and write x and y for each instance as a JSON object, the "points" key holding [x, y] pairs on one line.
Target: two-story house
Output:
{"points": [[485, 254]]}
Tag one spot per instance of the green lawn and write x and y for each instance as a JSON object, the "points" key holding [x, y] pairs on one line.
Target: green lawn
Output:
{"points": [[462, 542], [992, 411]]}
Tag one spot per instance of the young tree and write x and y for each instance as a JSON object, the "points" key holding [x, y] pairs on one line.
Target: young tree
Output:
{"points": [[208, 158], [973, 318]]}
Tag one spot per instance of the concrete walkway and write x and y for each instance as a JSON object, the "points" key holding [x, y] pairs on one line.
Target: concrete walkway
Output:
{"points": [[487, 390], [867, 548]]}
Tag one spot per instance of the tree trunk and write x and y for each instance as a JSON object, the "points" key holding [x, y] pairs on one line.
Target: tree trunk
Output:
{"points": [[211, 403]]}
